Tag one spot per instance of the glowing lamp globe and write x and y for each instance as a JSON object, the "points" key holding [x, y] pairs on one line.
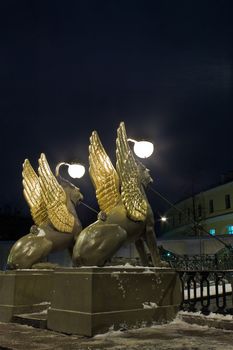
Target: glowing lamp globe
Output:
{"points": [[143, 149], [76, 171], [163, 219]]}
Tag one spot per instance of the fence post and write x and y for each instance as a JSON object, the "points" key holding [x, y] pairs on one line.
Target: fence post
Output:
{"points": [[204, 283], [220, 297]]}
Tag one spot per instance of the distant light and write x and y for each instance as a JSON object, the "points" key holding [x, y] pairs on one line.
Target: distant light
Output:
{"points": [[76, 171], [163, 219], [168, 254], [212, 231], [143, 149]]}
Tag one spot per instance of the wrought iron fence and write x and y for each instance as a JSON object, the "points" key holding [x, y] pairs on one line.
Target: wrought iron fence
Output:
{"points": [[207, 291], [196, 262], [222, 260]]}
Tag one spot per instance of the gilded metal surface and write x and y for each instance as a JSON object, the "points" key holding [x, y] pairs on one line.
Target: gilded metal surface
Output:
{"points": [[33, 195], [52, 206], [54, 198], [46, 197], [106, 178], [127, 168], [127, 215], [103, 175]]}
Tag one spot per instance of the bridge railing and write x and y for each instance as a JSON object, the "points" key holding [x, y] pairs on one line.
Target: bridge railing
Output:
{"points": [[207, 291]]}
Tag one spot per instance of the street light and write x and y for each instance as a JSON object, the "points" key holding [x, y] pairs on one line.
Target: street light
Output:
{"points": [[75, 170], [163, 219], [142, 149]]}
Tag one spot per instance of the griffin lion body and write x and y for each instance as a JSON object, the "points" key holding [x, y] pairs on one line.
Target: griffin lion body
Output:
{"points": [[120, 194], [52, 203]]}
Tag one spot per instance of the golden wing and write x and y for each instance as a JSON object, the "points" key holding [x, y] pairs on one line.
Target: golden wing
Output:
{"points": [[55, 198], [33, 195], [127, 169], [103, 175]]}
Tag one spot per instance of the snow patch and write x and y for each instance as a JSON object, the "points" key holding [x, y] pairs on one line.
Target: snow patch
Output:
{"points": [[149, 305], [211, 315], [41, 233], [116, 275], [147, 270]]}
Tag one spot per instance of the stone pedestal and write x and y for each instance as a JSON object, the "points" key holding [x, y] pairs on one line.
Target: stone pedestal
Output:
{"points": [[88, 301], [24, 291]]}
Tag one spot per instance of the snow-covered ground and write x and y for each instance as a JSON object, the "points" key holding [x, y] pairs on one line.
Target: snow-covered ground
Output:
{"points": [[175, 335], [212, 315]]}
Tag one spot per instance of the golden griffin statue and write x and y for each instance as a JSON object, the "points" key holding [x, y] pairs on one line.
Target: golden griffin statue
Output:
{"points": [[52, 204], [125, 215]]}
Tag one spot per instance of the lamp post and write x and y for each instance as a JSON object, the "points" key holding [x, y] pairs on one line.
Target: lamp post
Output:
{"points": [[142, 149], [75, 170]]}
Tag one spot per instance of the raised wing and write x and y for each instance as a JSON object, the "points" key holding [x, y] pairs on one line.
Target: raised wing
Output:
{"points": [[103, 175], [54, 197], [33, 195], [127, 170]]}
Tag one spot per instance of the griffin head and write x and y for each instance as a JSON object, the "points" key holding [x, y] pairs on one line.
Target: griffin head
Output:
{"points": [[72, 192], [144, 174]]}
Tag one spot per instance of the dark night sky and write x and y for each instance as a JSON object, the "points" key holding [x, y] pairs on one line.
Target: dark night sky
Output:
{"points": [[164, 67]]}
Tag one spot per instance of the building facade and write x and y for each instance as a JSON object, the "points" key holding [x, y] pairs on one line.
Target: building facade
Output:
{"points": [[206, 214]]}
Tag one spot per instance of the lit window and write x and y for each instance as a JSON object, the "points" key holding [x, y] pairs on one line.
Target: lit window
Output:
{"points": [[212, 231], [230, 229]]}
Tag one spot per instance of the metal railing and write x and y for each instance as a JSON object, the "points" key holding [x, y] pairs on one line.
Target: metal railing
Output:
{"points": [[222, 260], [207, 291], [196, 262]]}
